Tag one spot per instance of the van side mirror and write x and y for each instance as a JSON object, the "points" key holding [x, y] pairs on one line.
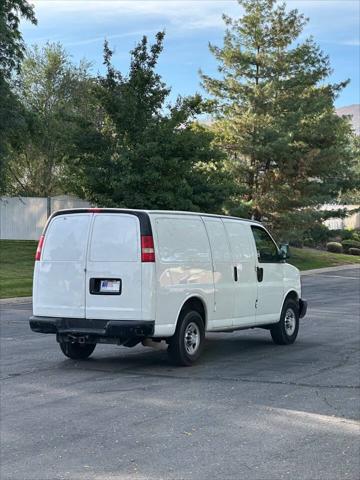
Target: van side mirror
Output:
{"points": [[284, 251]]}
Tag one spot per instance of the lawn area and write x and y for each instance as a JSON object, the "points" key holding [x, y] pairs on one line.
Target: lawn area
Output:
{"points": [[16, 267], [309, 258], [17, 262]]}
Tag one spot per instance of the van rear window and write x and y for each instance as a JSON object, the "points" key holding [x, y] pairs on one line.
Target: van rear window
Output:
{"points": [[115, 238], [66, 238]]}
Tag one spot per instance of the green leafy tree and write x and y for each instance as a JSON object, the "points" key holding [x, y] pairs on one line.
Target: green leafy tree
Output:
{"points": [[140, 153], [275, 117], [352, 194], [54, 93], [12, 121]]}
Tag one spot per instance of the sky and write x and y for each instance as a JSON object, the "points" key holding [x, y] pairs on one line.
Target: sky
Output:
{"points": [[82, 25]]}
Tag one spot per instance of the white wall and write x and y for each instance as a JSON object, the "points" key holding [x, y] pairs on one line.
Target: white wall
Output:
{"points": [[350, 222], [23, 218]]}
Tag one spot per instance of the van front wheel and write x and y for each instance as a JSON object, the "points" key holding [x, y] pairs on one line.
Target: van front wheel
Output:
{"points": [[77, 351], [186, 345], [285, 332]]}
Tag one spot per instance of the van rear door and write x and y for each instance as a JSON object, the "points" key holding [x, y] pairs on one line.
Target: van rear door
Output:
{"points": [[59, 278], [113, 268]]}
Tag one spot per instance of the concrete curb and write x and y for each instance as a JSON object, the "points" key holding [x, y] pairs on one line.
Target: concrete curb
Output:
{"points": [[331, 269], [15, 300]]}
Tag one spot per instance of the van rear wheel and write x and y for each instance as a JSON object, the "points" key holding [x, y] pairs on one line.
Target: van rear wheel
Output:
{"points": [[77, 351], [186, 345]]}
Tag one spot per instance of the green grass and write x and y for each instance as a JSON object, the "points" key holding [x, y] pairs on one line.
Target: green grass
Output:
{"points": [[309, 258], [17, 262], [16, 267]]}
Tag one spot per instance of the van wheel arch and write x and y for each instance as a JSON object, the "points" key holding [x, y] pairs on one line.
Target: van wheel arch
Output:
{"points": [[187, 343], [194, 303], [290, 295]]}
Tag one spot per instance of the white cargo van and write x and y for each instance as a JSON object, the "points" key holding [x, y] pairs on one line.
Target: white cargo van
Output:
{"points": [[128, 276]]}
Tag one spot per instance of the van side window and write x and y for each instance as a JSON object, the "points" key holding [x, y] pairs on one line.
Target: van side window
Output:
{"points": [[239, 239], [267, 251], [182, 240], [218, 241]]}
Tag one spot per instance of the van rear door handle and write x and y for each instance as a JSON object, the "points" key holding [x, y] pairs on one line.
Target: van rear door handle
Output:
{"points": [[235, 274], [260, 274]]}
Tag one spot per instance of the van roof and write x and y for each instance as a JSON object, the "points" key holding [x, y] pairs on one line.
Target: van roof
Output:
{"points": [[140, 212], [180, 212]]}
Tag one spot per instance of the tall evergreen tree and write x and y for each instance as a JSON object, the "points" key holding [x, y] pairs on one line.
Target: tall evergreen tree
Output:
{"points": [[275, 116], [140, 153]]}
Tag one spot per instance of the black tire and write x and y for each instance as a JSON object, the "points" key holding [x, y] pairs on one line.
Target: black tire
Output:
{"points": [[77, 351], [286, 331], [189, 321]]}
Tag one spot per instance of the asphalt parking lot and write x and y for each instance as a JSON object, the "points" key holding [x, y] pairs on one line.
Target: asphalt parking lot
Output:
{"points": [[249, 410]]}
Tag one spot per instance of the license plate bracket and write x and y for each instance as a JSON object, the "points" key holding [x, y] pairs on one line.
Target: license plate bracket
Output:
{"points": [[105, 286]]}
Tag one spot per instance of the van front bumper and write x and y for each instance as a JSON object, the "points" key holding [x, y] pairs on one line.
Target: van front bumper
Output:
{"points": [[107, 331], [302, 308]]}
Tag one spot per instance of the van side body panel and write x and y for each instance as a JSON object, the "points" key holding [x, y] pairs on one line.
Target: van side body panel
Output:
{"points": [[148, 291], [291, 280], [183, 267], [223, 275]]}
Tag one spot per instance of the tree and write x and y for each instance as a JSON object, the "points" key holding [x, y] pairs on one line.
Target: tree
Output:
{"points": [[11, 42], [275, 117], [11, 54], [53, 92], [141, 154], [351, 195]]}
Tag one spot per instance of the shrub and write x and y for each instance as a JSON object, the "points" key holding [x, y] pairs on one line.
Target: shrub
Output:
{"points": [[344, 234], [297, 243], [334, 247], [354, 251], [350, 244], [317, 236]]}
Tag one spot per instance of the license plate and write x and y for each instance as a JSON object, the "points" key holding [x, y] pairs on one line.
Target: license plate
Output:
{"points": [[110, 286]]}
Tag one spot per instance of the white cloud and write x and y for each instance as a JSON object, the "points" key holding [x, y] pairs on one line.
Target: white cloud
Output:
{"points": [[101, 38], [181, 14], [329, 19], [355, 42]]}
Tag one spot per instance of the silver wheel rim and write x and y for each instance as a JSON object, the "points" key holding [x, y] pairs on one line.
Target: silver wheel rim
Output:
{"points": [[290, 322], [192, 338]]}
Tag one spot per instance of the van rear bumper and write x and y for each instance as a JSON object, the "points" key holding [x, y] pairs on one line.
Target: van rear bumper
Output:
{"points": [[93, 329]]}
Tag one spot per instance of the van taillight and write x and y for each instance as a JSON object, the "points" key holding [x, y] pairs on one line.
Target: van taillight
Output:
{"points": [[147, 249], [39, 248]]}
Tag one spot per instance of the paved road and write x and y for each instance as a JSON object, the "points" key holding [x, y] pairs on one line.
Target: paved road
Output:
{"points": [[250, 410]]}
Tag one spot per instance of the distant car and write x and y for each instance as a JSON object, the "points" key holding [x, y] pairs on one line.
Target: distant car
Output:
{"points": [[124, 276]]}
